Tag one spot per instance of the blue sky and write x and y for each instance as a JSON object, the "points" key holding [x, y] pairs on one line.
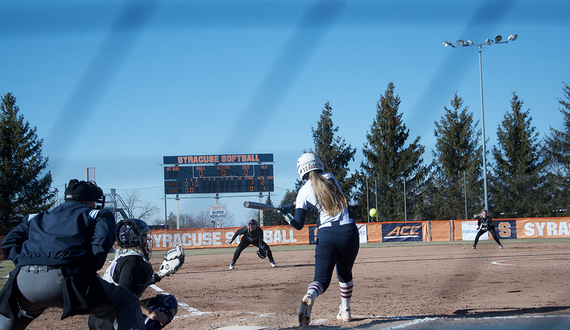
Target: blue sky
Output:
{"points": [[117, 85]]}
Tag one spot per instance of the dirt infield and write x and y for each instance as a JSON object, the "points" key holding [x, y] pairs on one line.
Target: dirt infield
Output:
{"points": [[446, 284]]}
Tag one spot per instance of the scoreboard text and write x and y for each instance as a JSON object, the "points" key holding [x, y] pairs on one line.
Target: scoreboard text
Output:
{"points": [[218, 179]]}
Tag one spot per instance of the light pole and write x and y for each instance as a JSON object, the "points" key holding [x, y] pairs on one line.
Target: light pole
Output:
{"points": [[461, 43]]}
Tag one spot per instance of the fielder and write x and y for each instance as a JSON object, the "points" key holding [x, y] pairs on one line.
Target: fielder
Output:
{"points": [[252, 235], [484, 224], [131, 269], [57, 255], [337, 237]]}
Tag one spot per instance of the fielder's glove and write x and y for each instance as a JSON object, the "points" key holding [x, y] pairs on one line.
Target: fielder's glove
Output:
{"points": [[262, 253], [173, 260]]}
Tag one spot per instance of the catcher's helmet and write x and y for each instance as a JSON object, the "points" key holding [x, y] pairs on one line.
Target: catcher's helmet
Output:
{"points": [[133, 233], [82, 191], [309, 162]]}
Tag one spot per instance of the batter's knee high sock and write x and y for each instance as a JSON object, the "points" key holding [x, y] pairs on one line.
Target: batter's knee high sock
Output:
{"points": [[315, 289], [345, 293]]}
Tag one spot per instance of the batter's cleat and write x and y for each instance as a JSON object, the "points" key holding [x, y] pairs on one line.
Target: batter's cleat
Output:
{"points": [[232, 265], [473, 247], [500, 246], [273, 264], [344, 314], [305, 311]]}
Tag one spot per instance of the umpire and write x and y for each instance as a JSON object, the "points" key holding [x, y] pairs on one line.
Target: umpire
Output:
{"points": [[57, 255]]}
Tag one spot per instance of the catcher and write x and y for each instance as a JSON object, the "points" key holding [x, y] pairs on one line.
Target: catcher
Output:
{"points": [[252, 235], [131, 269]]}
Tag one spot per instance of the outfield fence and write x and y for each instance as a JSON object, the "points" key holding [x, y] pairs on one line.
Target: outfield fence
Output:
{"points": [[372, 232]]}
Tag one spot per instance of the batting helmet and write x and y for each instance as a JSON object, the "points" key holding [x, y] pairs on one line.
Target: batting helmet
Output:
{"points": [[309, 162]]}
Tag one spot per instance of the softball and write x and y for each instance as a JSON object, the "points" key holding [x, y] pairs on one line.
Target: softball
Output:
{"points": [[373, 213]]}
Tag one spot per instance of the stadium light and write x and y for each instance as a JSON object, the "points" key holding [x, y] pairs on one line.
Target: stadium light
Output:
{"points": [[460, 43]]}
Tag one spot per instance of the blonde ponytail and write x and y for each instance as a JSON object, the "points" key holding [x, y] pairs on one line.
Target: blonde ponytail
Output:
{"points": [[327, 193]]}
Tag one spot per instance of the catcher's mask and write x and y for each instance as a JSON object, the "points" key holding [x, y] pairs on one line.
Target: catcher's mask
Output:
{"points": [[132, 233], [81, 191]]}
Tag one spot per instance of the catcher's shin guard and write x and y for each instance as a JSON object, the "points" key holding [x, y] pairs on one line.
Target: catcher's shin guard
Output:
{"points": [[164, 303]]}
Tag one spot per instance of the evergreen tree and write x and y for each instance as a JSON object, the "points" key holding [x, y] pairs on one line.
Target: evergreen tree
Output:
{"points": [[269, 216], [517, 176], [23, 187], [557, 152], [290, 196], [333, 151], [335, 154], [388, 163], [456, 164]]}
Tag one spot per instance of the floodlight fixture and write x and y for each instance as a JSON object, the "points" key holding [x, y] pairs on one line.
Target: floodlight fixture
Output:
{"points": [[498, 40]]}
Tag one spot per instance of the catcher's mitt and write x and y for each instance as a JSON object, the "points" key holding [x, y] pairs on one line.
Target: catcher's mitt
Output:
{"points": [[262, 253], [173, 260]]}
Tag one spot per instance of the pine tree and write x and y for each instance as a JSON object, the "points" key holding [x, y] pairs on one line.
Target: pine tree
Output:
{"points": [[24, 189], [290, 196], [269, 216], [456, 164], [333, 150], [388, 163], [557, 152], [335, 154], [516, 180]]}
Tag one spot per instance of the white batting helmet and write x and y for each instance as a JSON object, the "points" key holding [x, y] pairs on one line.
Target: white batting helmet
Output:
{"points": [[309, 162]]}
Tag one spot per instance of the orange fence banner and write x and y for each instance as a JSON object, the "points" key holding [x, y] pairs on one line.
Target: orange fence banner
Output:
{"points": [[441, 230], [372, 232], [543, 227], [165, 239]]}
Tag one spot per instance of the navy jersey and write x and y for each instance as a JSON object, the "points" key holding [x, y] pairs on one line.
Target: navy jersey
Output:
{"points": [[71, 234]]}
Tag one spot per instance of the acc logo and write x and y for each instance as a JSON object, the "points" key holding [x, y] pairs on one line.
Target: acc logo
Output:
{"points": [[402, 232]]}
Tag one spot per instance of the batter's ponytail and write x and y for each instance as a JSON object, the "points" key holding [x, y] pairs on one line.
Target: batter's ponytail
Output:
{"points": [[328, 194]]}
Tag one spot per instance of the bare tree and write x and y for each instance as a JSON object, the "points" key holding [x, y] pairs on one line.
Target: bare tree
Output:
{"points": [[140, 209]]}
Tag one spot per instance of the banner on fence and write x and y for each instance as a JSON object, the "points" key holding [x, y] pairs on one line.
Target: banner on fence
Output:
{"points": [[543, 227], [373, 232], [400, 232]]}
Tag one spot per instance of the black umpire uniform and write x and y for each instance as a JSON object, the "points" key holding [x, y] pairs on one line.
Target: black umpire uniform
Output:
{"points": [[57, 255]]}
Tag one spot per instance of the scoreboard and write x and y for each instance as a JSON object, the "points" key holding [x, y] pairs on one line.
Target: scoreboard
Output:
{"points": [[205, 179]]}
